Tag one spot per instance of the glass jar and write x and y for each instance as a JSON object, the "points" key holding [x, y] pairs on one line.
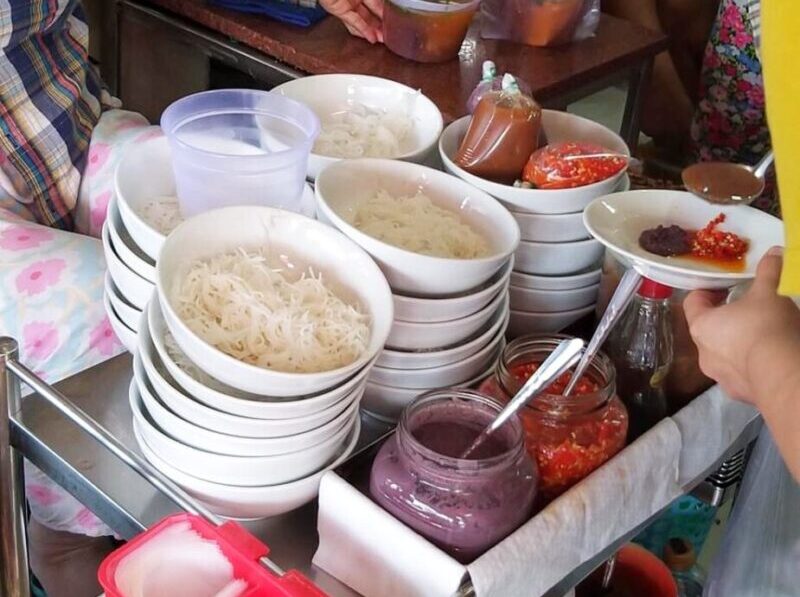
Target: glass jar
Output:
{"points": [[567, 437], [464, 506]]}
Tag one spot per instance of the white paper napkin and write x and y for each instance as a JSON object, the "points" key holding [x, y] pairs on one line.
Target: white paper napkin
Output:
{"points": [[708, 425], [625, 492], [372, 552]]}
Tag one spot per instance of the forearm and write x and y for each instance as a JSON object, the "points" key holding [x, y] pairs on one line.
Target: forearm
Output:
{"points": [[778, 400], [641, 12]]}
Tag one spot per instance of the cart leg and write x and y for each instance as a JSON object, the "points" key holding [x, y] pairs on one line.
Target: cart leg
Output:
{"points": [[637, 86], [14, 577]]}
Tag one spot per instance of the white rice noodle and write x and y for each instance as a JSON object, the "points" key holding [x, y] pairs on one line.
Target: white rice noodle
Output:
{"points": [[162, 213], [363, 132], [416, 224], [251, 311]]}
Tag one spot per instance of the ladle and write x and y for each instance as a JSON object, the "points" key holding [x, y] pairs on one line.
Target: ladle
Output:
{"points": [[725, 183]]}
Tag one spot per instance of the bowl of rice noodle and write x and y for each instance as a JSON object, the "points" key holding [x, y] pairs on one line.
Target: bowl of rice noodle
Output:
{"points": [[431, 233], [365, 116], [272, 302]]}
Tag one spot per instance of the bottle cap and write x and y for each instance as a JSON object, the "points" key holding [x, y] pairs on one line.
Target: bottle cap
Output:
{"points": [[654, 290], [679, 554], [489, 70], [509, 84]]}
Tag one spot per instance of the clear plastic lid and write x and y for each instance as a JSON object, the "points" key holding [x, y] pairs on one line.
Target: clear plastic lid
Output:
{"points": [[437, 6]]}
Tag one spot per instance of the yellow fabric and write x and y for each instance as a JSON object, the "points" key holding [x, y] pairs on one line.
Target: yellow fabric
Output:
{"points": [[780, 54]]}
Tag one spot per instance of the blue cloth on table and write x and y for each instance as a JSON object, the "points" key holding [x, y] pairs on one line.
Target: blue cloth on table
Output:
{"points": [[302, 16]]}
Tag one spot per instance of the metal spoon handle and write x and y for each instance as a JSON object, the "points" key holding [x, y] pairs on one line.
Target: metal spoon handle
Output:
{"points": [[622, 297], [559, 362], [632, 161], [760, 169]]}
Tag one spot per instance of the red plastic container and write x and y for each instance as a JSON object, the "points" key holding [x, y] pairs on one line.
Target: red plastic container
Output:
{"points": [[237, 544]]}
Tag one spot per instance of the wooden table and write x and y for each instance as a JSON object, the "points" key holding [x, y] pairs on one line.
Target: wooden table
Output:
{"points": [[620, 51]]}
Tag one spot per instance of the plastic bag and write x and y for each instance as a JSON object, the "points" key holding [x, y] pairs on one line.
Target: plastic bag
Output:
{"points": [[558, 166], [760, 552], [490, 81], [540, 22], [502, 134]]}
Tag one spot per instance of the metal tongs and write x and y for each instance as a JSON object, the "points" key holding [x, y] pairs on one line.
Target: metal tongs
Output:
{"points": [[561, 360]]}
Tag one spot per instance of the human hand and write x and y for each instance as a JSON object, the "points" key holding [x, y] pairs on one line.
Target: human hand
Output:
{"points": [[363, 18], [750, 346]]}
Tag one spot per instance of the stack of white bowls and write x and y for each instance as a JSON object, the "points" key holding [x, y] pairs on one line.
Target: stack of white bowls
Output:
{"points": [[247, 441], [131, 243], [557, 265], [450, 314]]}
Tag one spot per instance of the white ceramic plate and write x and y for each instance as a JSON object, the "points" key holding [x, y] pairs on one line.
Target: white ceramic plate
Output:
{"points": [[425, 336], [233, 445], [386, 403], [242, 471], [126, 248], [557, 259], [249, 502], [300, 243], [328, 95], [523, 323], [447, 375], [618, 220], [396, 359], [132, 287], [579, 280], [558, 126], [127, 313], [428, 310], [551, 301], [225, 399], [125, 334], [194, 411], [342, 187]]}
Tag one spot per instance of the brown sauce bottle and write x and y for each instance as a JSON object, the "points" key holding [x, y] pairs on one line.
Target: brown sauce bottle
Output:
{"points": [[502, 134]]}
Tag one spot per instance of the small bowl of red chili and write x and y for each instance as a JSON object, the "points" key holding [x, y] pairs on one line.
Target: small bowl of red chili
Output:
{"points": [[568, 437]]}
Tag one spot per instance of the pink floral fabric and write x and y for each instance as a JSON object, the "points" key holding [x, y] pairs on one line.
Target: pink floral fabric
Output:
{"points": [[51, 299]]}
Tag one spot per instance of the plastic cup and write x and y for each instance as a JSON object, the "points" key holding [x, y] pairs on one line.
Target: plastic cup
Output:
{"points": [[427, 30], [239, 147]]}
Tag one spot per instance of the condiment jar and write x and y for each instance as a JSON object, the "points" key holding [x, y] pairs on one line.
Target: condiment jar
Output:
{"points": [[568, 437], [502, 134], [464, 506]]}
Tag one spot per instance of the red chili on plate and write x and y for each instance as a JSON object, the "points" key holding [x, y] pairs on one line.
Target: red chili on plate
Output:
{"points": [[548, 168]]}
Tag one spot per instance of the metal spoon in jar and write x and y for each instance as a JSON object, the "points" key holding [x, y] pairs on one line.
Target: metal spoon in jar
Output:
{"points": [[616, 307], [727, 184], [561, 360]]}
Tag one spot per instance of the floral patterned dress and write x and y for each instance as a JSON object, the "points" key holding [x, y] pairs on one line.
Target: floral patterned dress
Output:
{"points": [[730, 123]]}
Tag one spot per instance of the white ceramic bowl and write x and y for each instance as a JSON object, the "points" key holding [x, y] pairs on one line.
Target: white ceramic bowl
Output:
{"points": [[225, 399], [386, 403], [552, 301], [344, 185], [558, 126], [132, 287], [127, 313], [557, 259], [243, 471], [194, 411], [125, 334], [328, 95], [523, 323], [426, 336], [302, 242], [249, 502], [569, 282], [233, 445], [432, 310], [618, 220], [126, 248], [424, 359], [144, 173], [446, 375]]}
